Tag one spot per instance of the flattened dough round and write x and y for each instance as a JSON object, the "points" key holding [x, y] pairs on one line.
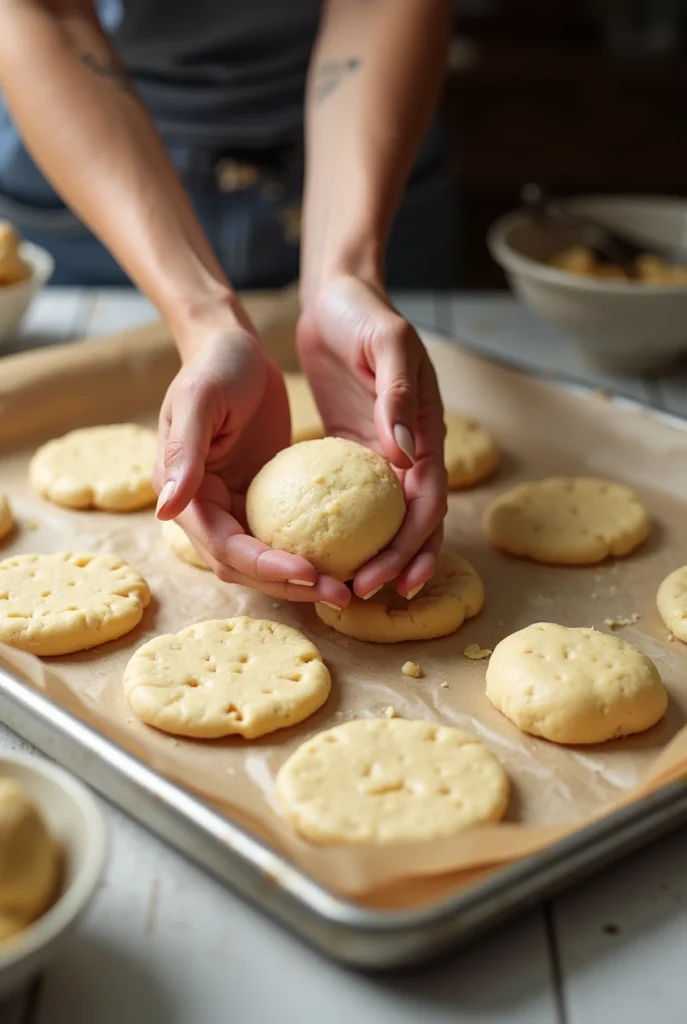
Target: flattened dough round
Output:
{"points": [[470, 453], [225, 677], [332, 501], [568, 521], [59, 604], [109, 468], [180, 544], [389, 781], [671, 601], [454, 593], [573, 685], [29, 861], [306, 422], [6, 520]]}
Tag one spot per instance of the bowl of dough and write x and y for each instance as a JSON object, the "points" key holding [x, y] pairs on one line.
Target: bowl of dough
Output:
{"points": [[24, 270], [620, 325], [52, 852]]}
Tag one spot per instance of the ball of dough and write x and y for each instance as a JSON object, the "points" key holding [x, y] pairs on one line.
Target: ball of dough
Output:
{"points": [[180, 544], [12, 267], [387, 780], [455, 593], [671, 601], [470, 454], [6, 520], [573, 685], [29, 861], [568, 521], [332, 501]]}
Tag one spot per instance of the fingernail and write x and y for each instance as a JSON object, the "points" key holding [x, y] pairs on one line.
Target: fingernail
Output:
{"points": [[334, 607], [301, 583], [404, 440], [414, 592], [164, 496], [366, 597]]}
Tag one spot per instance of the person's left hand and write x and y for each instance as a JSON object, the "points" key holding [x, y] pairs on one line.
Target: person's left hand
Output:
{"points": [[374, 384]]}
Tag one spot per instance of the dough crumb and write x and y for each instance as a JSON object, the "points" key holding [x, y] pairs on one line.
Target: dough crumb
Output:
{"points": [[175, 743], [444, 685], [623, 620], [411, 668], [603, 393], [390, 712], [31, 524], [671, 637], [476, 653]]}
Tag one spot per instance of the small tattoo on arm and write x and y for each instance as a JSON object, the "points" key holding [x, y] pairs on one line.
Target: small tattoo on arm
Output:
{"points": [[110, 69], [330, 75]]}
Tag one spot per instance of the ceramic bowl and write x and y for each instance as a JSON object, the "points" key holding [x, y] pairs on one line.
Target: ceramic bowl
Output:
{"points": [[15, 299]]}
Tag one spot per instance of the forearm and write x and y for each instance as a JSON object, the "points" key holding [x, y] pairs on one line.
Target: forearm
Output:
{"points": [[374, 81], [87, 130]]}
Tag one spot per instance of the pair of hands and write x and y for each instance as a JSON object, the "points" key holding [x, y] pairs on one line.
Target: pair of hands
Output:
{"points": [[226, 414]]}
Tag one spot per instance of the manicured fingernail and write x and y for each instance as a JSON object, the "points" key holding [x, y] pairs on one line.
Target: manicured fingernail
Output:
{"points": [[301, 583], [334, 607], [366, 597], [414, 592], [164, 496], [404, 440]]}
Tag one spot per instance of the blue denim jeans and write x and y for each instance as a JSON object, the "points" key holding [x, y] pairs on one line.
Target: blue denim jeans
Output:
{"points": [[254, 228]]}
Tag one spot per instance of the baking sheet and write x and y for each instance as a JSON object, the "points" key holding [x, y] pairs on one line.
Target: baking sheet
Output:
{"points": [[541, 430]]}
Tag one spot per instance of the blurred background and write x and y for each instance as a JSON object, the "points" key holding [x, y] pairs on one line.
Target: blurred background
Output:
{"points": [[581, 96]]}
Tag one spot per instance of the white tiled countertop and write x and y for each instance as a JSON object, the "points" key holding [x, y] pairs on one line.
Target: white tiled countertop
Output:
{"points": [[166, 944]]}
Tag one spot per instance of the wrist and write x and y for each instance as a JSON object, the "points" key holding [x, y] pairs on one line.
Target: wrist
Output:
{"points": [[358, 255], [205, 315]]}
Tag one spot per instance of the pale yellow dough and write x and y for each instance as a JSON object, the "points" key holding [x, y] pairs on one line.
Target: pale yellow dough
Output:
{"points": [[332, 501], [568, 521], [470, 454], [306, 422], [388, 780], [13, 268], [240, 676], [107, 468], [29, 861], [6, 520], [58, 604], [671, 600], [181, 545], [574, 685], [454, 593]]}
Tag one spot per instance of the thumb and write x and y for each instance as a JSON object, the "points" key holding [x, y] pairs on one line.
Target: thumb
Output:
{"points": [[185, 449], [396, 375]]}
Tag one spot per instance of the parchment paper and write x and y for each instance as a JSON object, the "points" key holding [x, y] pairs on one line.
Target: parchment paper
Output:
{"points": [[541, 430]]}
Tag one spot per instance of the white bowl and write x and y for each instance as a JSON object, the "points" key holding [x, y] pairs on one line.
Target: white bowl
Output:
{"points": [[74, 818], [618, 326], [15, 299]]}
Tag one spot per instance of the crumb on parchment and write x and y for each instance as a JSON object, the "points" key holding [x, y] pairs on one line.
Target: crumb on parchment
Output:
{"points": [[444, 685], [391, 712], [623, 620], [476, 653], [412, 669], [31, 524]]}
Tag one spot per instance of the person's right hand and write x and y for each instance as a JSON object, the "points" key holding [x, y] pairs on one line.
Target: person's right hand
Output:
{"points": [[224, 416]]}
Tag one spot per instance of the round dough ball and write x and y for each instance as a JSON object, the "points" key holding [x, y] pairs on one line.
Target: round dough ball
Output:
{"points": [[454, 593], [180, 544], [29, 861], [12, 267], [332, 501], [574, 685], [241, 676], [470, 454], [59, 604], [568, 521], [671, 601], [6, 520], [390, 781], [306, 422], [108, 468]]}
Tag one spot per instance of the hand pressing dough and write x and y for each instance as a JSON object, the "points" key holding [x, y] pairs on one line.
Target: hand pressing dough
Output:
{"points": [[454, 593], [332, 501], [225, 677], [13, 268], [672, 602], [59, 604], [306, 422], [6, 520], [107, 468], [29, 861], [574, 685], [568, 521], [180, 544], [470, 454], [390, 781]]}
